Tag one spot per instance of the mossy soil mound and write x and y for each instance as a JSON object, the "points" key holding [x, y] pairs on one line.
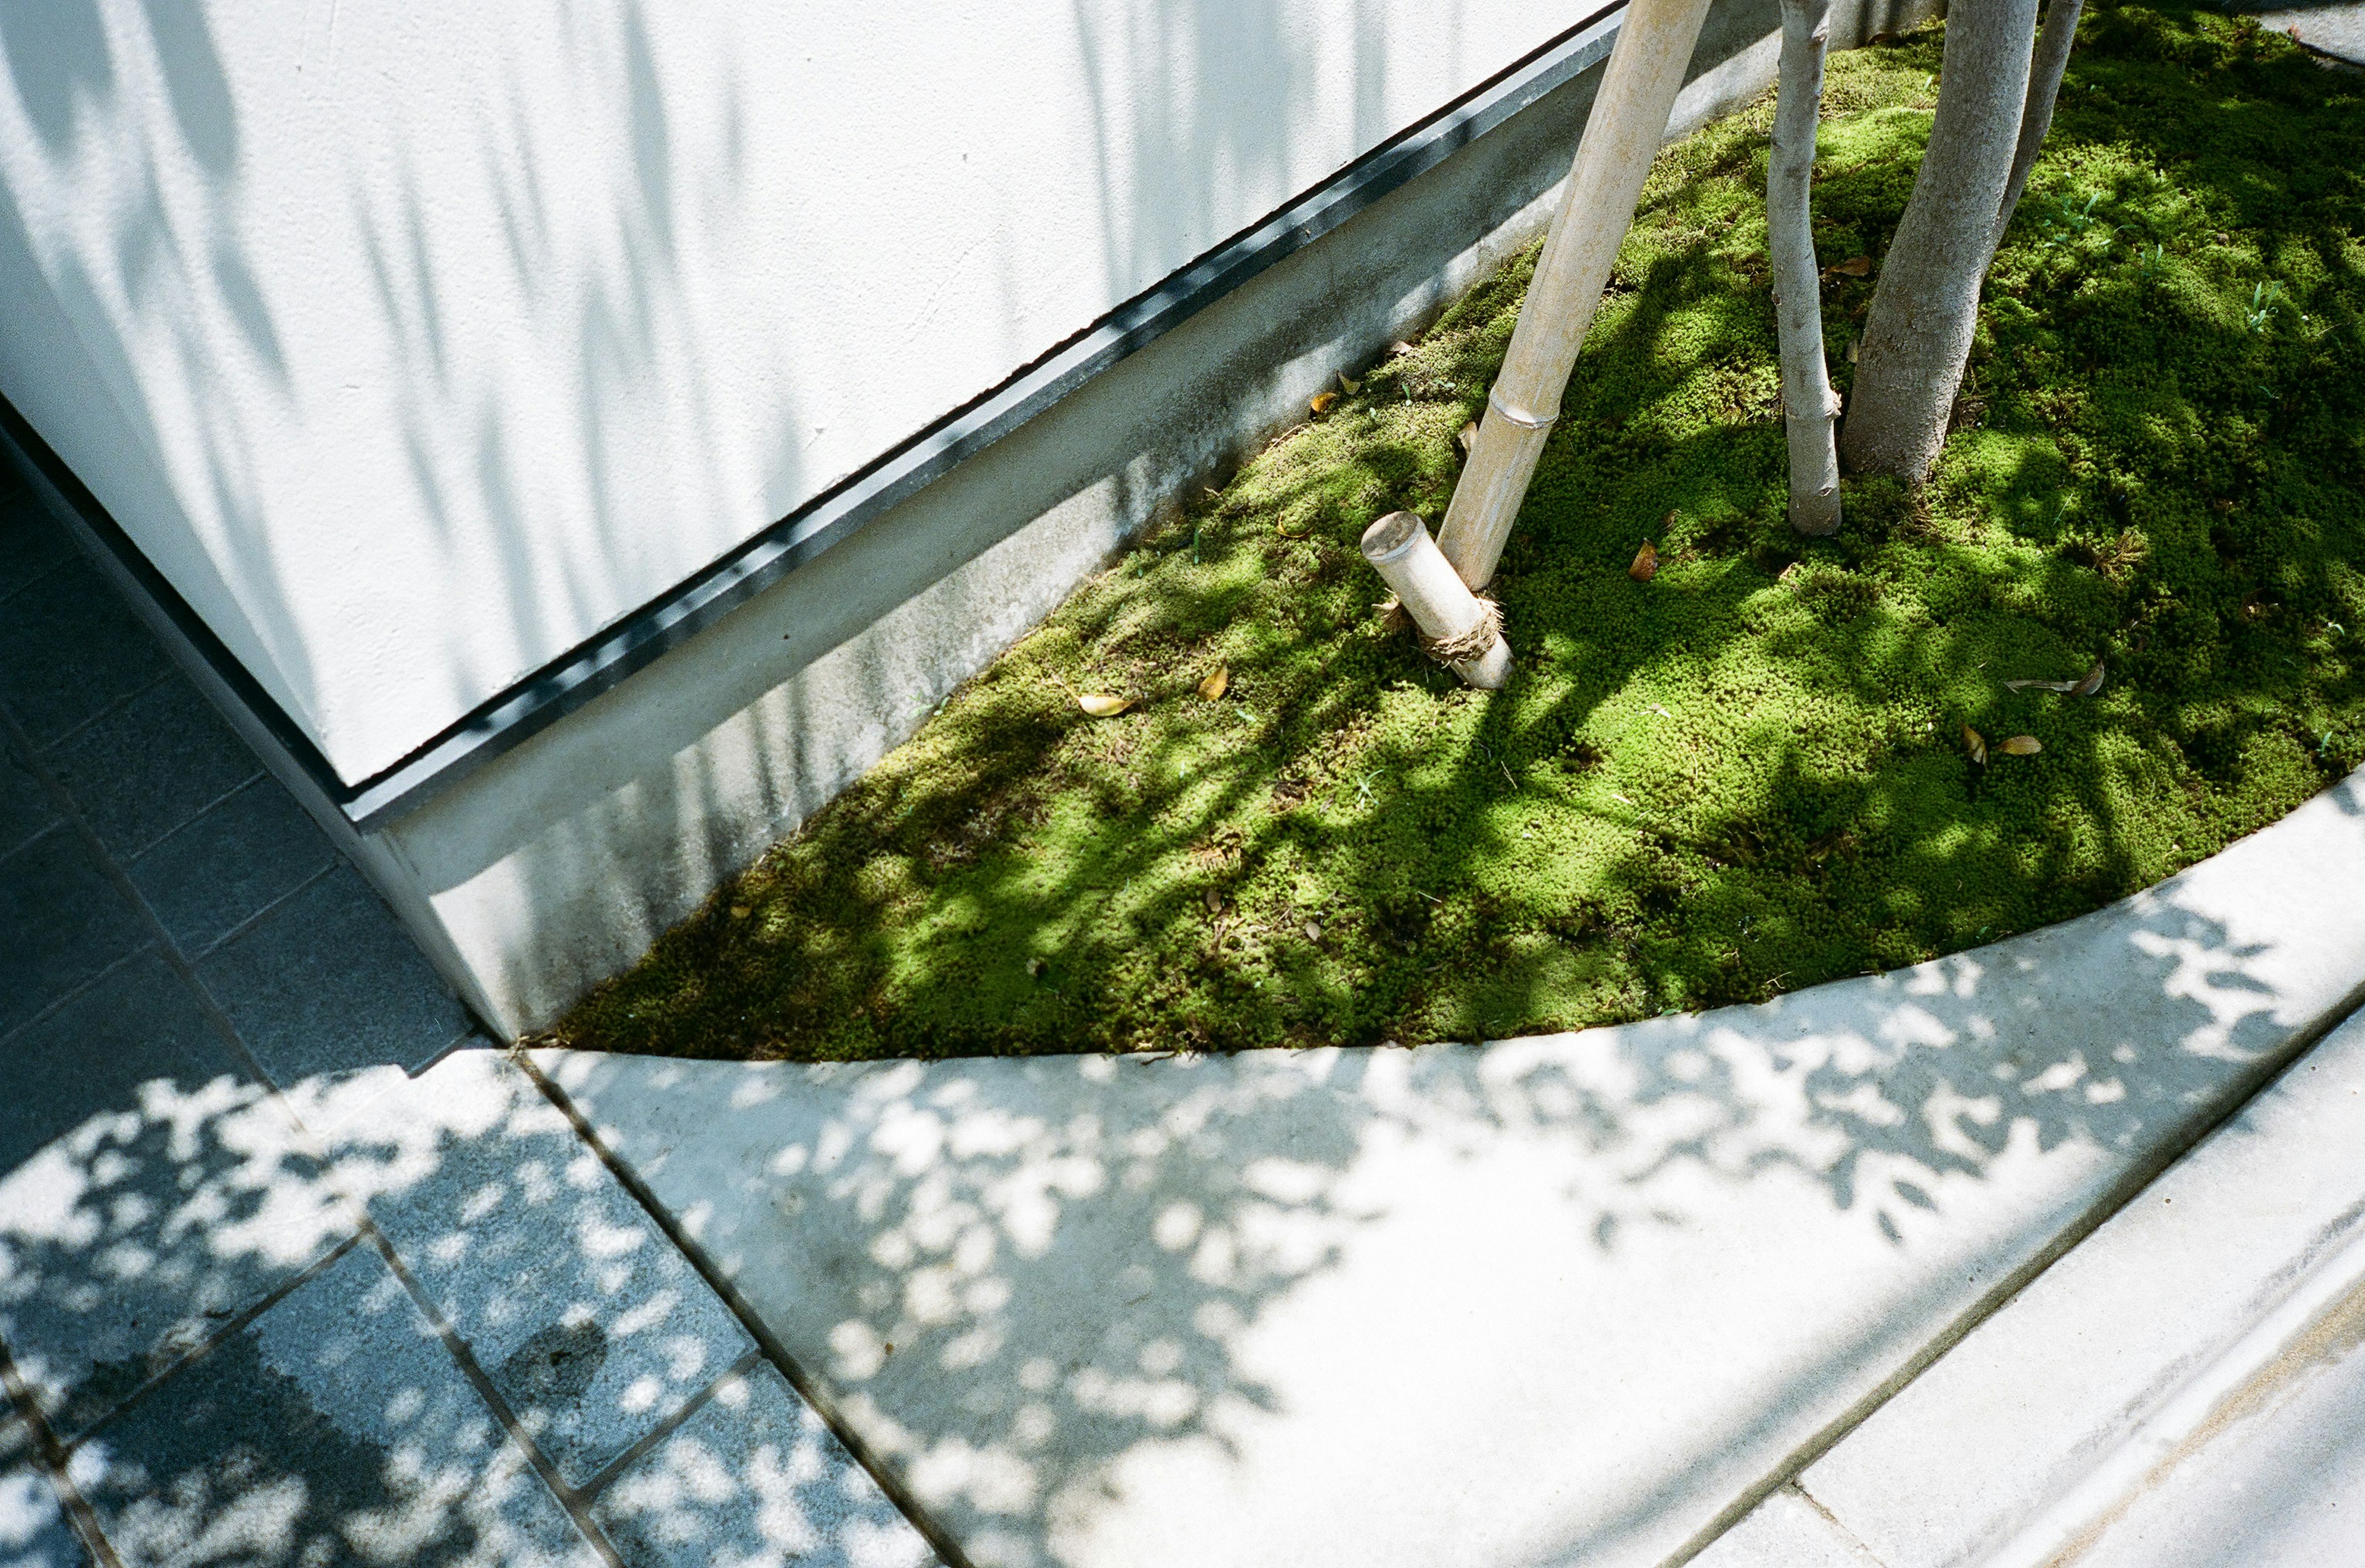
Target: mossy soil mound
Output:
{"points": [[1744, 775]]}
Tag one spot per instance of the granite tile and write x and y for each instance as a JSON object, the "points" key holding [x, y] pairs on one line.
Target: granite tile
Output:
{"points": [[753, 1478], [220, 870], [151, 765], [62, 921], [150, 1190], [25, 809], [70, 649], [329, 984], [588, 1320], [335, 1428]]}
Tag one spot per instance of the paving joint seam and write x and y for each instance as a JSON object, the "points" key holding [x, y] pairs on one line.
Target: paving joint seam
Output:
{"points": [[38, 579], [946, 1549], [49, 1458], [260, 915], [66, 807], [109, 711], [574, 1506], [195, 816], [76, 994], [2262, 1075], [44, 832], [2175, 1427], [1853, 1541], [212, 1341], [589, 1491]]}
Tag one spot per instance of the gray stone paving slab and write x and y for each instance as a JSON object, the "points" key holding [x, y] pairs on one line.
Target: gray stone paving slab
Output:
{"points": [[1558, 1300], [25, 809], [161, 1204], [2013, 1424], [1785, 1530], [150, 1189], [755, 1479], [63, 923], [69, 650], [2337, 30], [330, 983], [149, 764], [231, 864], [585, 1318], [2279, 1484], [333, 1429]]}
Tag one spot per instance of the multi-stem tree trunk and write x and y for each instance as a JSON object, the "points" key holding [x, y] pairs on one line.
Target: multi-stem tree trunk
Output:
{"points": [[1809, 408], [2036, 113], [1926, 307]]}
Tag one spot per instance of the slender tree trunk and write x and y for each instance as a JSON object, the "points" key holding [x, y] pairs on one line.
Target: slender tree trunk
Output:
{"points": [[1623, 133], [2037, 115], [1926, 307], [1810, 408]]}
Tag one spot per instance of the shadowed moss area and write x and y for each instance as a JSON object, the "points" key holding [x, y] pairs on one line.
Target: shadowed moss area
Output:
{"points": [[1743, 777]]}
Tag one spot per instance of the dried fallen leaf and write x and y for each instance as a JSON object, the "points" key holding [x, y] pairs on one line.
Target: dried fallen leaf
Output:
{"points": [[1320, 403], [1468, 436], [2084, 686], [1348, 387], [1215, 902], [1646, 562], [1103, 705], [1976, 744], [2020, 746], [1213, 687], [1398, 348], [1313, 931], [1854, 266]]}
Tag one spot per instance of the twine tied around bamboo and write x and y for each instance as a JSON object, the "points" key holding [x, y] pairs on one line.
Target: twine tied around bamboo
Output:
{"points": [[1457, 627]]}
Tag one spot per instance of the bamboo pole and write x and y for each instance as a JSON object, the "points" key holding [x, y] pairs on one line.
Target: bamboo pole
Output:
{"points": [[1613, 158], [1457, 627]]}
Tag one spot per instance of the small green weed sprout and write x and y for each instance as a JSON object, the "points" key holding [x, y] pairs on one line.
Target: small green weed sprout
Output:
{"points": [[2264, 298]]}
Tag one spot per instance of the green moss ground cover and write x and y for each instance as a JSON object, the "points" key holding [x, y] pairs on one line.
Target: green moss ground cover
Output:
{"points": [[1740, 777]]}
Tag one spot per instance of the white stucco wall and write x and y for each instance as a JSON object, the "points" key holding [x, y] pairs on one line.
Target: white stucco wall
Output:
{"points": [[417, 339]]}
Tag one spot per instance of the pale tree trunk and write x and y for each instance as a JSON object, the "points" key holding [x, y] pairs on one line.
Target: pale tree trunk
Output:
{"points": [[1926, 307], [2037, 115], [1810, 408]]}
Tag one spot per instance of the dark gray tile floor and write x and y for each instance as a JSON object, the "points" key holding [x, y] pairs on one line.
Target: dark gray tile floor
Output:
{"points": [[178, 943], [294, 1268]]}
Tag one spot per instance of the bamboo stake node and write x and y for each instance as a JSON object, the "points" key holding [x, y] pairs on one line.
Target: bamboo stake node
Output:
{"points": [[1623, 133], [1520, 417]]}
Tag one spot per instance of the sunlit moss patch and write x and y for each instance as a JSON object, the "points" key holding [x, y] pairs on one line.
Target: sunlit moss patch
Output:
{"points": [[1745, 776]]}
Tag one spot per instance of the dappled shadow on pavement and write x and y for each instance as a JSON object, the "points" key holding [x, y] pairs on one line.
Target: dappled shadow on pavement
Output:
{"points": [[1566, 1298]]}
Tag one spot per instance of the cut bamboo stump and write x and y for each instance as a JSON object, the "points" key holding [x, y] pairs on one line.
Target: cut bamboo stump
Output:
{"points": [[1613, 158], [1459, 629]]}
